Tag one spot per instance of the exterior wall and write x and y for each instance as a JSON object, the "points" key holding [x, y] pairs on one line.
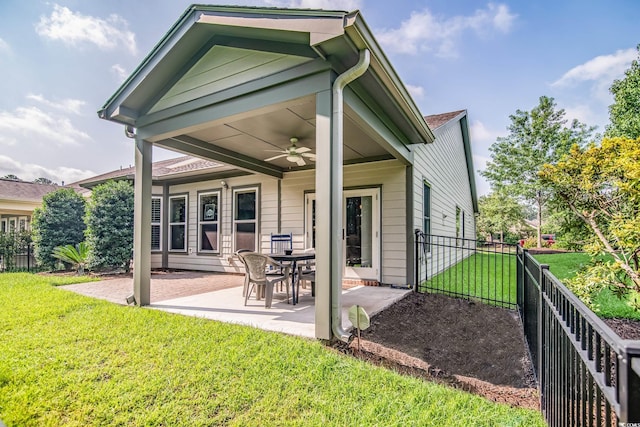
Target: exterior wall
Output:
{"points": [[289, 215], [16, 212], [442, 165]]}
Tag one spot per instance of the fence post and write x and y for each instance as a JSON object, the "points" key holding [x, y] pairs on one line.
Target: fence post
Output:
{"points": [[417, 259], [629, 385], [541, 330]]}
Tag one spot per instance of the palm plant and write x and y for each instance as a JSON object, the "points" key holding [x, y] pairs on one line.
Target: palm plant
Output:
{"points": [[77, 256]]}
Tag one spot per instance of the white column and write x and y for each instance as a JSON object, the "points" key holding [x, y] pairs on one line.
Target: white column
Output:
{"points": [[324, 208], [142, 223]]}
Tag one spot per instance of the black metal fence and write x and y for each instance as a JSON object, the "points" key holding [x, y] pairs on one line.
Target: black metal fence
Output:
{"points": [[17, 253], [466, 268], [587, 375]]}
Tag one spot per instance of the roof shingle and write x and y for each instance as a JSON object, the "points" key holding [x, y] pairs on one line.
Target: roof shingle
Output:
{"points": [[23, 190]]}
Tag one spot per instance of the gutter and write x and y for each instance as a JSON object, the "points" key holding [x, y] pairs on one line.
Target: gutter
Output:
{"points": [[337, 187]]}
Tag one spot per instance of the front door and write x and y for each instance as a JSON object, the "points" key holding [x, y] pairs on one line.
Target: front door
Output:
{"points": [[361, 222]]}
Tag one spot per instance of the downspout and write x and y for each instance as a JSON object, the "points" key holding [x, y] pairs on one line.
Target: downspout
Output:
{"points": [[337, 151]]}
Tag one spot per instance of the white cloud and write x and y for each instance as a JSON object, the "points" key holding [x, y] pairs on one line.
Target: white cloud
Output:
{"points": [[347, 5], [77, 29], [415, 91], [480, 163], [32, 124], [120, 72], [72, 105], [603, 67], [4, 46], [425, 32], [30, 171], [583, 113], [481, 134]]}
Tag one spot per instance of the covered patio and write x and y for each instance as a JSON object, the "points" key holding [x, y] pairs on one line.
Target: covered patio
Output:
{"points": [[242, 86], [219, 297]]}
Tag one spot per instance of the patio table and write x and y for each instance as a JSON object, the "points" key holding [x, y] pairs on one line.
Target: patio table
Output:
{"points": [[293, 259]]}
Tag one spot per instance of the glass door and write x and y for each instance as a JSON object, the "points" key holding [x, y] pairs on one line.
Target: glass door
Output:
{"points": [[361, 222], [361, 234]]}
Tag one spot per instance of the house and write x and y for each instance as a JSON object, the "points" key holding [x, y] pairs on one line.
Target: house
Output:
{"points": [[18, 199], [306, 129]]}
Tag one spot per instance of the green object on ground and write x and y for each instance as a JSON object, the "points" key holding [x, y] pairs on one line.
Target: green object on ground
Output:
{"points": [[66, 359]]}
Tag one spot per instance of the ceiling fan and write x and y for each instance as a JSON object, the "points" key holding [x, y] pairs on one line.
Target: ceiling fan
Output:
{"points": [[294, 154]]}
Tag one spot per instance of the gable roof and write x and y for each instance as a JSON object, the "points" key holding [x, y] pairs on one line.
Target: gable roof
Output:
{"points": [[334, 38], [179, 168], [436, 121], [24, 191]]}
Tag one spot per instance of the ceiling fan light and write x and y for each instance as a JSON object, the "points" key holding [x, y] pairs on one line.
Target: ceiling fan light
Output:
{"points": [[293, 158]]}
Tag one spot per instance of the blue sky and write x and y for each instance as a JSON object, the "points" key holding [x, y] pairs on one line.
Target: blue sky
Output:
{"points": [[61, 60]]}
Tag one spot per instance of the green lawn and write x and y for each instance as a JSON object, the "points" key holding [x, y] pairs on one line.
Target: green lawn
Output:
{"points": [[67, 359], [607, 305], [489, 277]]}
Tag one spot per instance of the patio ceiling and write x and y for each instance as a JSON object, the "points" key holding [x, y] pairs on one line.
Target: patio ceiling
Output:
{"points": [[260, 135]]}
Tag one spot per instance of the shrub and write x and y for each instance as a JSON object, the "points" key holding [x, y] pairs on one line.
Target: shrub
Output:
{"points": [[12, 244], [58, 222], [109, 220], [74, 255]]}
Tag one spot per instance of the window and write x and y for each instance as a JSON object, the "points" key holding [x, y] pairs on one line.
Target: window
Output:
{"points": [[426, 208], [208, 222], [178, 223], [245, 225], [426, 212], [459, 223], [3, 226], [22, 224], [12, 225], [156, 221]]}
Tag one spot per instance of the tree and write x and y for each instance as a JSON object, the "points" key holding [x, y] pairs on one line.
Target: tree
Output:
{"points": [[109, 220], [624, 113], [43, 181], [601, 186], [58, 222], [11, 177], [498, 213], [535, 138]]}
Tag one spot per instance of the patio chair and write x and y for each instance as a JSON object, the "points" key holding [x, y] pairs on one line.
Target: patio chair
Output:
{"points": [[307, 273], [281, 243], [238, 254], [257, 276]]}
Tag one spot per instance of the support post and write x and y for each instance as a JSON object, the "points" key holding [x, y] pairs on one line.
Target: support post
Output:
{"points": [[142, 223], [326, 242]]}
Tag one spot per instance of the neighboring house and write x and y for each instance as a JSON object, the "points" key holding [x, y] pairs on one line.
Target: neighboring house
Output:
{"points": [[306, 129], [18, 199]]}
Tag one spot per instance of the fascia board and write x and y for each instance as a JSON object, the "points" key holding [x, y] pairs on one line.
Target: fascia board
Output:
{"points": [[360, 34], [175, 33]]}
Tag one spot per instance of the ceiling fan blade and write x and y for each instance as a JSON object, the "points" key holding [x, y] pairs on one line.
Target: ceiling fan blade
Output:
{"points": [[301, 161], [310, 156], [275, 157], [277, 151], [300, 150]]}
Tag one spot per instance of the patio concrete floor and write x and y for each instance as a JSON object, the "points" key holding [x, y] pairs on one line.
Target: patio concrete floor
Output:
{"points": [[219, 297]]}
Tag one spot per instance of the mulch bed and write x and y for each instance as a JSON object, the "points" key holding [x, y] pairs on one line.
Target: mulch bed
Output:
{"points": [[472, 347]]}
